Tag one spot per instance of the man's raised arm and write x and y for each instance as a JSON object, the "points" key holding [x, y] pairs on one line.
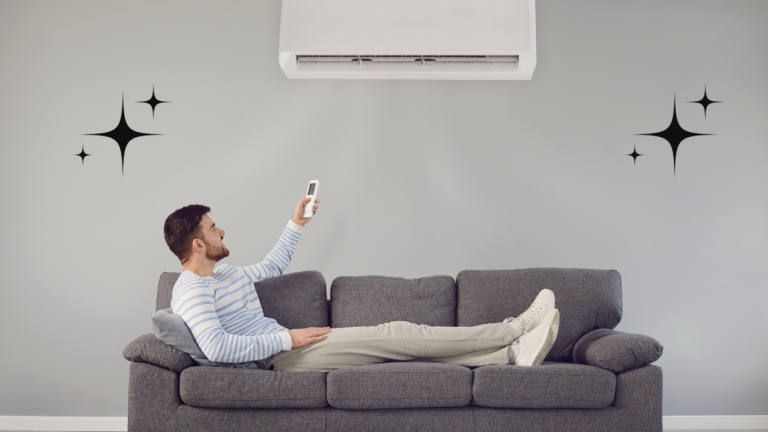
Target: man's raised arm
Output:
{"points": [[278, 259]]}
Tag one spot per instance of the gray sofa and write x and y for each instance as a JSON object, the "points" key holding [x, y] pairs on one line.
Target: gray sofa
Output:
{"points": [[594, 378]]}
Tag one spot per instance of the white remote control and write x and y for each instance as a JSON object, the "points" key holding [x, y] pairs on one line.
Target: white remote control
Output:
{"points": [[313, 189]]}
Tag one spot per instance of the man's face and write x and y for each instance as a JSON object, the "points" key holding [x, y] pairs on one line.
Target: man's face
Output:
{"points": [[215, 249]]}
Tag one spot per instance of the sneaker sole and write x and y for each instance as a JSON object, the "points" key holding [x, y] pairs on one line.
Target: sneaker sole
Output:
{"points": [[549, 341], [552, 321]]}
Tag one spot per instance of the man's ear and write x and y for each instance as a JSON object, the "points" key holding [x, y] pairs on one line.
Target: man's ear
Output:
{"points": [[197, 245]]}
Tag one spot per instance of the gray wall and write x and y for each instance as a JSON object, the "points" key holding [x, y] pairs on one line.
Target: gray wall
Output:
{"points": [[419, 178]]}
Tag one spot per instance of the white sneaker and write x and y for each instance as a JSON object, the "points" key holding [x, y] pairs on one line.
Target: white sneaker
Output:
{"points": [[535, 345], [531, 318]]}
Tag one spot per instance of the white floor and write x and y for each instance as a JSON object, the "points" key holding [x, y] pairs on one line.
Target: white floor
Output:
{"points": [[665, 430]]}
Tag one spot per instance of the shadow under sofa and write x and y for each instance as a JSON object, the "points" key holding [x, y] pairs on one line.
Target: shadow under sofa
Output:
{"points": [[594, 378]]}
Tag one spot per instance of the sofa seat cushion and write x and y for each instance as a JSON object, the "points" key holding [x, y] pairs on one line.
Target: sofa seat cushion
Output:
{"points": [[217, 387], [551, 385], [400, 385]]}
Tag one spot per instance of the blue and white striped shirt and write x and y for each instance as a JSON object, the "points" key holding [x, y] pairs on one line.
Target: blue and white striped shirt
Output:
{"points": [[224, 313]]}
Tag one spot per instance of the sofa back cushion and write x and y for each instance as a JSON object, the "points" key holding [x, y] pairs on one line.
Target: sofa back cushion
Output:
{"points": [[165, 289], [587, 300], [373, 300], [294, 300]]}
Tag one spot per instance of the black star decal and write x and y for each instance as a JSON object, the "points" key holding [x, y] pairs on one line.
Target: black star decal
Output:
{"points": [[82, 155], [153, 101], [122, 134], [674, 134], [634, 155], [705, 102]]}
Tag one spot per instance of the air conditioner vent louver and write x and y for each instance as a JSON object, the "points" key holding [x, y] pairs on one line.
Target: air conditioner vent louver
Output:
{"points": [[405, 57], [410, 63]]}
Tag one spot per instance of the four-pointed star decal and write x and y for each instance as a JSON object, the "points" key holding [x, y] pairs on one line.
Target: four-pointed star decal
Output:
{"points": [[122, 134], [675, 134], [153, 101]]}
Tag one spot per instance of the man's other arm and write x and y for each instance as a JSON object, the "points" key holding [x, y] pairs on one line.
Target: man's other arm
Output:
{"points": [[196, 308]]}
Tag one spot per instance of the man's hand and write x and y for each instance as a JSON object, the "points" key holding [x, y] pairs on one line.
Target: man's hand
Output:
{"points": [[302, 337], [298, 214]]}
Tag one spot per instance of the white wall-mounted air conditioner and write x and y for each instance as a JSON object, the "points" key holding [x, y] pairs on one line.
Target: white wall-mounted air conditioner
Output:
{"points": [[408, 39]]}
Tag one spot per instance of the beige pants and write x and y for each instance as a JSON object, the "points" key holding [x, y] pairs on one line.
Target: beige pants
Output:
{"points": [[399, 340]]}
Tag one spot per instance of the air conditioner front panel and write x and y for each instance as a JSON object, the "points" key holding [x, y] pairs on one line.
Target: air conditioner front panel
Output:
{"points": [[408, 39], [405, 26]]}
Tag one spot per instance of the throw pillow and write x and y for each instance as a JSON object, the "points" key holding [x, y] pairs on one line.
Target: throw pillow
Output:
{"points": [[171, 329], [616, 351]]}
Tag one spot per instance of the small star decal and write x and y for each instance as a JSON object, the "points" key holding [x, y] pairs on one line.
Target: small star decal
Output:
{"points": [[122, 134], [674, 134], [634, 155], [82, 155], [705, 102], [153, 101]]}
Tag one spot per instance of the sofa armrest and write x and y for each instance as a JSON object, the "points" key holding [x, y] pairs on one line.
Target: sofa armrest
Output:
{"points": [[639, 400], [616, 351], [148, 349]]}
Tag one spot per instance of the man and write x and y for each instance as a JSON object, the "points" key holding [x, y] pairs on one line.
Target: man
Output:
{"points": [[222, 310]]}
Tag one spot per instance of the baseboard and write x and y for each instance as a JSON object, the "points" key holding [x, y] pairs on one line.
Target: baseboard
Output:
{"points": [[735, 422], [44, 423], [120, 424]]}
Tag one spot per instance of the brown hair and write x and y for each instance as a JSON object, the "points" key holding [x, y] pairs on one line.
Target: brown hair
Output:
{"points": [[182, 227]]}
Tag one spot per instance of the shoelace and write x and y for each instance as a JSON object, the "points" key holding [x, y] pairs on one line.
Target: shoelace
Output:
{"points": [[534, 310]]}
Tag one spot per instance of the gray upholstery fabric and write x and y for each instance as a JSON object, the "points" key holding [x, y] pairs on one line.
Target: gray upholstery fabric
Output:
{"points": [[616, 351], [154, 405], [545, 420], [148, 349], [153, 397], [294, 300], [551, 385], [191, 419], [172, 330], [639, 394], [587, 300], [400, 385], [214, 387], [165, 290], [372, 300], [403, 420]]}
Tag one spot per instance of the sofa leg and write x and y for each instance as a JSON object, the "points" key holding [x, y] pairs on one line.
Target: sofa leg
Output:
{"points": [[639, 399], [153, 398]]}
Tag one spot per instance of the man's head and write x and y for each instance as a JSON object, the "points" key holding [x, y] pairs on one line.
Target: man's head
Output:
{"points": [[189, 230]]}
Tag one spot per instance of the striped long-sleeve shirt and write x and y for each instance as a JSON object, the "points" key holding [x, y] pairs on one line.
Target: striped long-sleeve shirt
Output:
{"points": [[224, 313]]}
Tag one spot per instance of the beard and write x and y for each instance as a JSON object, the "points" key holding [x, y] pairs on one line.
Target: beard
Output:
{"points": [[215, 254]]}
